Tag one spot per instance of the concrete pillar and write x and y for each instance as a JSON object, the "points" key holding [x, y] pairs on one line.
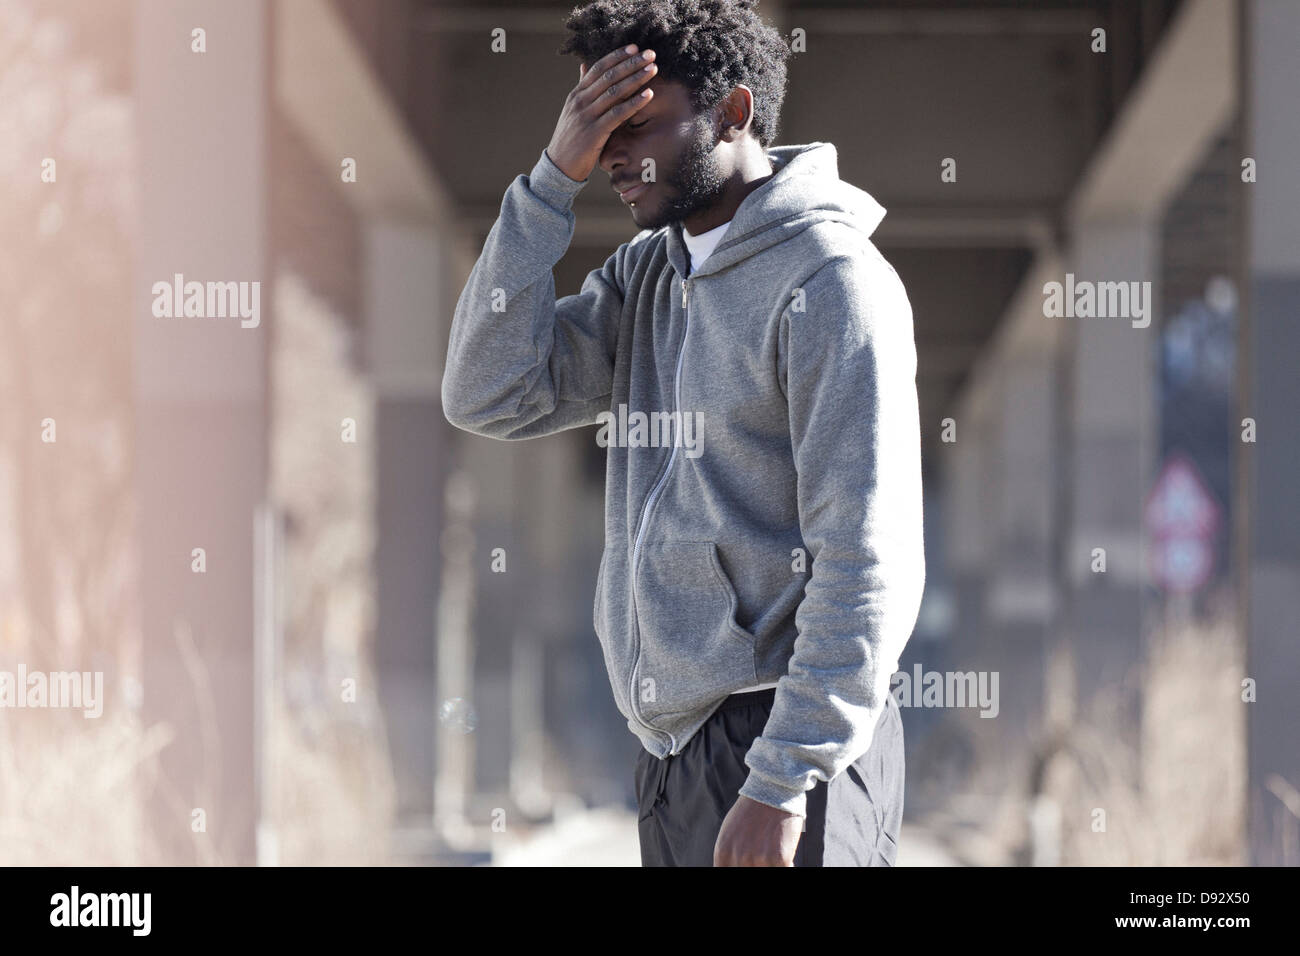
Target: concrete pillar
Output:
{"points": [[1003, 517], [972, 483], [404, 276], [1020, 598], [201, 424], [503, 614], [1270, 394], [1112, 413]]}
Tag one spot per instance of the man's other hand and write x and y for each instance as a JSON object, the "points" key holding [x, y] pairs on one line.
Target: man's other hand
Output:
{"points": [[754, 834]]}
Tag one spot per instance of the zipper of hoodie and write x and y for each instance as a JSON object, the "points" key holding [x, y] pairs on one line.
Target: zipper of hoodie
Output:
{"points": [[645, 516]]}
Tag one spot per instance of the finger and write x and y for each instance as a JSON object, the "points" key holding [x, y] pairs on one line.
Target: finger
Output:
{"points": [[619, 112], [600, 85], [626, 87], [610, 59]]}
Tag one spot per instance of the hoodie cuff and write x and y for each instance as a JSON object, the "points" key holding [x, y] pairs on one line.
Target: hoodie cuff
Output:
{"points": [[552, 185], [766, 790]]}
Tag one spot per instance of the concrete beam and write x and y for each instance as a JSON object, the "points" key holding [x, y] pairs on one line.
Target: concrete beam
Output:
{"points": [[1184, 96], [326, 86], [480, 19]]}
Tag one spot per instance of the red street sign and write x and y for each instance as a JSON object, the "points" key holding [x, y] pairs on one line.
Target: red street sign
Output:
{"points": [[1180, 504], [1181, 516]]}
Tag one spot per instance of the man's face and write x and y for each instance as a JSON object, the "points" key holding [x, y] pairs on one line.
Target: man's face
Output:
{"points": [[688, 175]]}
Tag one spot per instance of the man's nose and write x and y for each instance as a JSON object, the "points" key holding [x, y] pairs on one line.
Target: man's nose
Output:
{"points": [[614, 155]]}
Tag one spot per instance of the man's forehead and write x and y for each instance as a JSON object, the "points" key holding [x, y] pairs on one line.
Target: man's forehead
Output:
{"points": [[670, 91], [671, 98]]}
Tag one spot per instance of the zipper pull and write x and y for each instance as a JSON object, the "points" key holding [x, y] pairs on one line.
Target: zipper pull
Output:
{"points": [[683, 293]]}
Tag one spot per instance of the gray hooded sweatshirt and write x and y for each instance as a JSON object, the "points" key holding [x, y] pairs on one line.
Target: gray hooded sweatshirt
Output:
{"points": [[763, 464]]}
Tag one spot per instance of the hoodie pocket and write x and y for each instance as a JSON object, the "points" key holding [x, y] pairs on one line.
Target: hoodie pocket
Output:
{"points": [[692, 649]]}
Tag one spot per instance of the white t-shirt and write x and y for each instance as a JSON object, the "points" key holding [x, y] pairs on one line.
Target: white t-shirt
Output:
{"points": [[702, 245]]}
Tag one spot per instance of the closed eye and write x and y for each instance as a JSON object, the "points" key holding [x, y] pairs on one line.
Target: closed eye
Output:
{"points": [[636, 125]]}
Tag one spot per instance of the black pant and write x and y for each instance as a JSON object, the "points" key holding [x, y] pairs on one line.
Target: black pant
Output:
{"points": [[853, 820]]}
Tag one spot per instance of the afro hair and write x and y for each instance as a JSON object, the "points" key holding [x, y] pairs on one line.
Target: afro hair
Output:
{"points": [[709, 46]]}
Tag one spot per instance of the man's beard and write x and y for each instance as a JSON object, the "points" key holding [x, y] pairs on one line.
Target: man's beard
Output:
{"points": [[695, 183]]}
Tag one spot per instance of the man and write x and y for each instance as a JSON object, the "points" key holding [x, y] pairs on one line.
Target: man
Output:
{"points": [[753, 597]]}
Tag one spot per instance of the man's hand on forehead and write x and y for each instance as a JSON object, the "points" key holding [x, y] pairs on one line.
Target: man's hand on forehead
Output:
{"points": [[606, 95]]}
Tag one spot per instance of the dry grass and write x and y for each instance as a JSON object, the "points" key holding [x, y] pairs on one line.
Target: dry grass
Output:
{"points": [[1172, 792], [72, 790], [1181, 798], [334, 796], [76, 792]]}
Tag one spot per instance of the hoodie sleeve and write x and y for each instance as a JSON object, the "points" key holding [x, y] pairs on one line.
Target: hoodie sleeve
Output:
{"points": [[849, 367], [519, 363]]}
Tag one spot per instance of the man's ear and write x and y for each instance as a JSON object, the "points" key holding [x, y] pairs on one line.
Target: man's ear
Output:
{"points": [[737, 113]]}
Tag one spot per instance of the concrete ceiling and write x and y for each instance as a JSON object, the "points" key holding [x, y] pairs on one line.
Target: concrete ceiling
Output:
{"points": [[1010, 90]]}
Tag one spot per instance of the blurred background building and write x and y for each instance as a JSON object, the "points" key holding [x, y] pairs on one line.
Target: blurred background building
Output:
{"points": [[334, 629]]}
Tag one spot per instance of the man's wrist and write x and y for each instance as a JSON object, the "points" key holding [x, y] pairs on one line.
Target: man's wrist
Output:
{"points": [[547, 153], [552, 185]]}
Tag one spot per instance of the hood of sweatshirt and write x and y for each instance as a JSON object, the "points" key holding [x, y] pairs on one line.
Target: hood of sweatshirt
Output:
{"points": [[805, 189]]}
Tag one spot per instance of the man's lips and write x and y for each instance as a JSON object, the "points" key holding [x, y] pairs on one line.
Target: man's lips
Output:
{"points": [[632, 192]]}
